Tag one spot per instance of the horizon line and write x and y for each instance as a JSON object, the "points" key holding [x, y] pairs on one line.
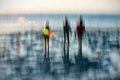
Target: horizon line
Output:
{"points": [[62, 13]]}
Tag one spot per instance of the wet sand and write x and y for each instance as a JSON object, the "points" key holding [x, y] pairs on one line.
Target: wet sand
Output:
{"points": [[28, 62]]}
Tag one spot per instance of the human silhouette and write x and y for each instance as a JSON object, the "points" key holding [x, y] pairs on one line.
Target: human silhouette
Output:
{"points": [[80, 29], [46, 38], [66, 31]]}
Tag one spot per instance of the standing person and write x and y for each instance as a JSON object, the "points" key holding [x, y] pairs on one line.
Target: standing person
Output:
{"points": [[46, 38], [80, 29], [66, 31], [18, 41]]}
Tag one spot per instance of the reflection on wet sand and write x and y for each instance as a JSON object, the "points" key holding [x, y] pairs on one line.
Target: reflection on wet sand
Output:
{"points": [[66, 62], [28, 62], [45, 65]]}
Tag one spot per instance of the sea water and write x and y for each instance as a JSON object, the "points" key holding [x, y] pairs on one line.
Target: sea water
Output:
{"points": [[56, 20]]}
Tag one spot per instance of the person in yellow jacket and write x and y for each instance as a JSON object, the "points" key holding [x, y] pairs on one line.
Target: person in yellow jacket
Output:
{"points": [[46, 34]]}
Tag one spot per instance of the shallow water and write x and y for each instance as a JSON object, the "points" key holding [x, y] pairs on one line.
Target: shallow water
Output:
{"points": [[100, 61]]}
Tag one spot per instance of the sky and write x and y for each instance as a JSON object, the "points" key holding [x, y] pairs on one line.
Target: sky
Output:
{"points": [[60, 6]]}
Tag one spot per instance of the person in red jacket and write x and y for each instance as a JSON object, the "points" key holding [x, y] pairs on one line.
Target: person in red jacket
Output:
{"points": [[79, 31]]}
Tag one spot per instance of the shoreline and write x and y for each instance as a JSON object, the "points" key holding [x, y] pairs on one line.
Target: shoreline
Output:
{"points": [[9, 30]]}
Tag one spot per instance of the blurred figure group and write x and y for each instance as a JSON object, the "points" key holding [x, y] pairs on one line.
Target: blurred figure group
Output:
{"points": [[79, 31]]}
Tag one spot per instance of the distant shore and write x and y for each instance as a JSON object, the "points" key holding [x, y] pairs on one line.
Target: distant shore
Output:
{"points": [[8, 30]]}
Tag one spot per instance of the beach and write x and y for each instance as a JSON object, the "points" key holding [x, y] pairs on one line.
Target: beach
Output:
{"points": [[100, 49]]}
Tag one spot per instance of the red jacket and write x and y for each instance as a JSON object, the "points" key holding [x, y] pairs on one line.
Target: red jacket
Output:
{"points": [[80, 30]]}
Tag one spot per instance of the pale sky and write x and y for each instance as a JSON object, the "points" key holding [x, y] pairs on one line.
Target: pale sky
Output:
{"points": [[60, 6]]}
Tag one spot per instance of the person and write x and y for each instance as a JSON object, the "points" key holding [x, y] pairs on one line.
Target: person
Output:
{"points": [[66, 31], [18, 41], [46, 38], [80, 29]]}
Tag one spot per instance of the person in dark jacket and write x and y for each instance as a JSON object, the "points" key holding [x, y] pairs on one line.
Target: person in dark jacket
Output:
{"points": [[66, 31]]}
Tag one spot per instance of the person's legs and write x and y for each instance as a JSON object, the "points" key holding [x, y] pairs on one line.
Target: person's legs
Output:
{"points": [[80, 45], [48, 46], [45, 45], [64, 43], [68, 43]]}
